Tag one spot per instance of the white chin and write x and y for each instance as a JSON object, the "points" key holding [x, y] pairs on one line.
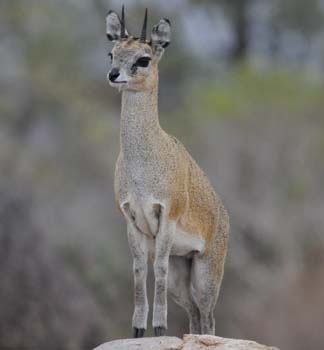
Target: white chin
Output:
{"points": [[118, 84]]}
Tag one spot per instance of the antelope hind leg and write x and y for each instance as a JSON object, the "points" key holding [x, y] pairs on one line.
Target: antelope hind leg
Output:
{"points": [[179, 289]]}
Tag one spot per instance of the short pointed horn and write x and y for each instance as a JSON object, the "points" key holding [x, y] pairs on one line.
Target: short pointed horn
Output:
{"points": [[143, 34], [122, 30]]}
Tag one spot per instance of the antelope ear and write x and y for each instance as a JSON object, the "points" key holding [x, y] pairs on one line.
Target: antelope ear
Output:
{"points": [[114, 26], [161, 36]]}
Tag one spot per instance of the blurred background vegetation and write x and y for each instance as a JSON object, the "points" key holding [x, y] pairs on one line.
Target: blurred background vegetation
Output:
{"points": [[241, 85]]}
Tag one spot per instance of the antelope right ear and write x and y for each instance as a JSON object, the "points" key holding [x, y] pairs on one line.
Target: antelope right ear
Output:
{"points": [[161, 36], [115, 27]]}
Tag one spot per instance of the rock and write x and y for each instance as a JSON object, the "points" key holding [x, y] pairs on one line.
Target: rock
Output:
{"points": [[156, 343], [211, 342], [189, 342]]}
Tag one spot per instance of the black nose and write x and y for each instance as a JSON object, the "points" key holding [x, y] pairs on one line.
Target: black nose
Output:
{"points": [[114, 74]]}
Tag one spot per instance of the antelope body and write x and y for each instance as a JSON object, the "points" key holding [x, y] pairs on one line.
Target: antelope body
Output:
{"points": [[172, 213]]}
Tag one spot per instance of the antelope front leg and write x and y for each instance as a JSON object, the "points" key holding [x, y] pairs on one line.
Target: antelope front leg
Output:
{"points": [[138, 247], [161, 264]]}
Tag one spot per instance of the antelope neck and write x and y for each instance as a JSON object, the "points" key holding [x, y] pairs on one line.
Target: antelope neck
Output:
{"points": [[140, 128]]}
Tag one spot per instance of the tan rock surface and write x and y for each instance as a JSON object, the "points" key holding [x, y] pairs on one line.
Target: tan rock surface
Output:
{"points": [[189, 342]]}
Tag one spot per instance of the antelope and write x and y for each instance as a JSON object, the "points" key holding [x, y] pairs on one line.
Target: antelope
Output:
{"points": [[173, 215]]}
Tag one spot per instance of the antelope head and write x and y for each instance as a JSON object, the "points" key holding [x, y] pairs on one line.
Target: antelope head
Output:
{"points": [[134, 60]]}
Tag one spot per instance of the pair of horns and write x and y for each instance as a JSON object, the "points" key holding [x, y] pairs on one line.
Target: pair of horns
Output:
{"points": [[123, 28]]}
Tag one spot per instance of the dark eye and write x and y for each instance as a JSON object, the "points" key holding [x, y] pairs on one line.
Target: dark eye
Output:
{"points": [[110, 56], [143, 62]]}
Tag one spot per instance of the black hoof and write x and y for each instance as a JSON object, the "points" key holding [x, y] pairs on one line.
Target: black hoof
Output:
{"points": [[138, 332], [159, 331]]}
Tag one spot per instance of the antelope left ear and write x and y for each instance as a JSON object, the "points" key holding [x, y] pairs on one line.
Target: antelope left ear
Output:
{"points": [[161, 36], [115, 27]]}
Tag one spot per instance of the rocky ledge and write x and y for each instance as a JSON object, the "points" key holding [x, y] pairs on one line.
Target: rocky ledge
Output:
{"points": [[189, 342]]}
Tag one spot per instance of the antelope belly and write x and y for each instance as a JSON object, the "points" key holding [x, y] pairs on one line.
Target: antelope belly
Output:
{"points": [[185, 243]]}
